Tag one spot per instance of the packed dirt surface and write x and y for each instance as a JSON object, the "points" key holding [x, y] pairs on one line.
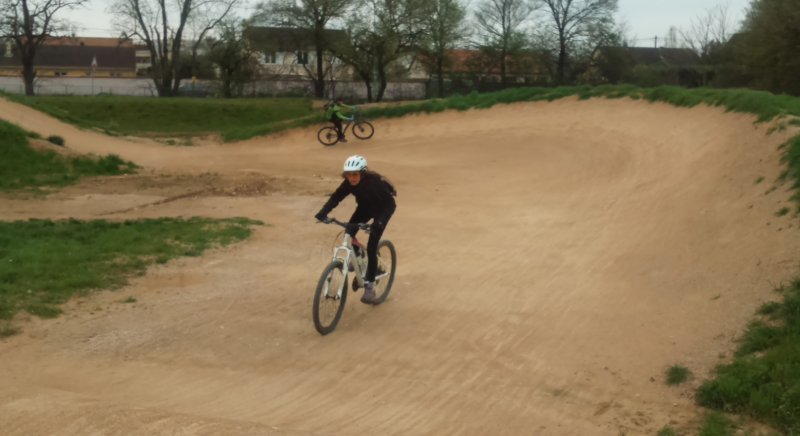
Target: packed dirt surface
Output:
{"points": [[554, 260]]}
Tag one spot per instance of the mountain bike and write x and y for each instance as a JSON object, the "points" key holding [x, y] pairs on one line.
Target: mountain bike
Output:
{"points": [[350, 256], [361, 128]]}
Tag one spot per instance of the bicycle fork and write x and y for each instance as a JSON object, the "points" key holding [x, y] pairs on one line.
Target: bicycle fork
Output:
{"points": [[345, 254]]}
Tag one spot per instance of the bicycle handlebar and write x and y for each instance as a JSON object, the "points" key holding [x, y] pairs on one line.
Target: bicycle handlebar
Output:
{"points": [[362, 226]]}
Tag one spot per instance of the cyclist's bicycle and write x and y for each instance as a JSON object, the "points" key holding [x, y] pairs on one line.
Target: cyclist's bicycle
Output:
{"points": [[361, 128], [350, 256]]}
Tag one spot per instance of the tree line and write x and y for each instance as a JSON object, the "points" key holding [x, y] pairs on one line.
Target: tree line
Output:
{"points": [[519, 42]]}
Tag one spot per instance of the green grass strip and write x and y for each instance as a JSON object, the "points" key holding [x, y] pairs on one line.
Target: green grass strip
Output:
{"points": [[43, 263], [238, 119], [763, 381], [764, 105], [716, 424], [178, 116], [23, 167]]}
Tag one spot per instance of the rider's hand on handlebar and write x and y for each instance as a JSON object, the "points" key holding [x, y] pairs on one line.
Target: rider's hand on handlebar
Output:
{"points": [[323, 218]]}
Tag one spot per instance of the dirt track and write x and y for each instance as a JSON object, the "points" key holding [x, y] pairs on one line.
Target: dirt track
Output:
{"points": [[555, 259]]}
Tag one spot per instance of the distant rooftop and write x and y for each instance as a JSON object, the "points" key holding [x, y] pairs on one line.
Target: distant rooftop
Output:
{"points": [[90, 41]]}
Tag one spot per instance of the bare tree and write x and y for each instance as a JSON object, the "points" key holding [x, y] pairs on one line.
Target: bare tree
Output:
{"points": [[398, 29], [499, 23], [161, 25], [573, 20], [234, 57], [313, 16], [709, 29], [445, 27], [359, 49], [29, 23], [381, 34]]}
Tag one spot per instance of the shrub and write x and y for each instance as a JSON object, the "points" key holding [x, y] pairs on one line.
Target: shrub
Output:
{"points": [[57, 140]]}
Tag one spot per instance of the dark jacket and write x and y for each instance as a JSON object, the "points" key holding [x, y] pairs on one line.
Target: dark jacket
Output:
{"points": [[373, 194]]}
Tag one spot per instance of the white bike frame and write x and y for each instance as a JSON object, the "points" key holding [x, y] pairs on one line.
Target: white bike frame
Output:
{"points": [[346, 254]]}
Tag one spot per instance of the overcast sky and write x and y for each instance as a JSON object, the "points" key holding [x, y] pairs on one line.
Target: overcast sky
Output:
{"points": [[645, 18]]}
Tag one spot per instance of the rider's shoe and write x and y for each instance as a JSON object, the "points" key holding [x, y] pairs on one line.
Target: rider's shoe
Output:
{"points": [[342, 140], [369, 294]]}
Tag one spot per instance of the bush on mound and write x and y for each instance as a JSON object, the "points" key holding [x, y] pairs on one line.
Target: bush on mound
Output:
{"points": [[23, 167]]}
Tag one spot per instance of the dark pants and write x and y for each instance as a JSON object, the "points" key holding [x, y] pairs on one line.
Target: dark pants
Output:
{"points": [[337, 122], [380, 220]]}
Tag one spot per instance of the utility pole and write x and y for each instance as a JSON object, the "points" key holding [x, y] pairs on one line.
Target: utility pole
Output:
{"points": [[656, 39], [94, 68]]}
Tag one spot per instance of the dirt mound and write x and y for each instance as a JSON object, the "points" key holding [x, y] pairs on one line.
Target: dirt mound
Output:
{"points": [[554, 260]]}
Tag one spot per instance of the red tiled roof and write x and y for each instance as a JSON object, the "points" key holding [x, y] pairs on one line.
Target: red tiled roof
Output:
{"points": [[471, 61], [90, 42], [75, 56]]}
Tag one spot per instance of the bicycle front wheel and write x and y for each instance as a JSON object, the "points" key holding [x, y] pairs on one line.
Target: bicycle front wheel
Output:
{"points": [[387, 267], [329, 298], [363, 130], [328, 136]]}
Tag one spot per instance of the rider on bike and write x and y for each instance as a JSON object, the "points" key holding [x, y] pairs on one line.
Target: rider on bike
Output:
{"points": [[333, 112], [375, 199]]}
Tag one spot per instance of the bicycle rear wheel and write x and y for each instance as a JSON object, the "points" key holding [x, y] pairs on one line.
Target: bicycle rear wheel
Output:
{"points": [[387, 267], [329, 298], [328, 136], [363, 130]]}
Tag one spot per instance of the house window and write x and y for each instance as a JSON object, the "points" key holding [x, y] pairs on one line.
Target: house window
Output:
{"points": [[302, 57], [60, 73], [270, 57]]}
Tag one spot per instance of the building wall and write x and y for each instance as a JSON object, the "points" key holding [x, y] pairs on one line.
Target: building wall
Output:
{"points": [[143, 61], [285, 64], [70, 72]]}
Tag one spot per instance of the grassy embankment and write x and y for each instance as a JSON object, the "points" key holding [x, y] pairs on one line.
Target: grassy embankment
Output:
{"points": [[43, 263], [22, 167], [121, 115]]}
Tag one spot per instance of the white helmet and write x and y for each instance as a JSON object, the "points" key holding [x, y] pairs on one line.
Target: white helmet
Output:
{"points": [[355, 163]]}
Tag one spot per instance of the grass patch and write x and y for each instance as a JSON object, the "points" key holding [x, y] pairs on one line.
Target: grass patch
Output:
{"points": [[717, 424], [667, 431], [763, 381], [23, 167], [759, 179], [43, 263], [782, 211], [129, 300], [143, 115], [677, 374]]}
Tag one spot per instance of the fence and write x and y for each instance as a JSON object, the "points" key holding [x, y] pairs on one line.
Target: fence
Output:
{"points": [[81, 86], [145, 87]]}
